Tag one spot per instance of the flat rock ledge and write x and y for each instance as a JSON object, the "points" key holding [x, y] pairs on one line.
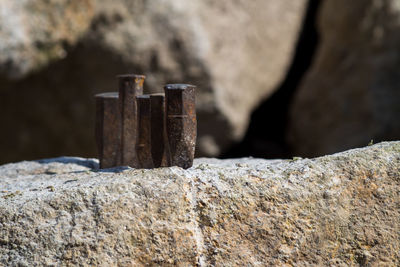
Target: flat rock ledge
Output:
{"points": [[337, 210]]}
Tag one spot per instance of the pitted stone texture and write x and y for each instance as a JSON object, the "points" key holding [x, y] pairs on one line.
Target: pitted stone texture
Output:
{"points": [[339, 210]]}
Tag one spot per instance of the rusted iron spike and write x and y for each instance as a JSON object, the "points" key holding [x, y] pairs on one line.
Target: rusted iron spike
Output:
{"points": [[130, 86], [143, 145], [181, 123], [158, 135], [107, 129]]}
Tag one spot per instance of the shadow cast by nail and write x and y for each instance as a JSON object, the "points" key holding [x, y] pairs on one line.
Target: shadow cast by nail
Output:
{"points": [[89, 163], [113, 170]]}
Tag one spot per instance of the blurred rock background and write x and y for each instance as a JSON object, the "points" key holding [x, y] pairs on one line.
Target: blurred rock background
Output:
{"points": [[276, 78]]}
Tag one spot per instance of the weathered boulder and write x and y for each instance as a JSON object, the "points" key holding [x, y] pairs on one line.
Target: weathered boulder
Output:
{"points": [[351, 94], [236, 52], [35, 33], [335, 210]]}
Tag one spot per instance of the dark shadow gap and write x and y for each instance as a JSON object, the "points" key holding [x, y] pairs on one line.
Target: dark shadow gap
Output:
{"points": [[265, 137]]}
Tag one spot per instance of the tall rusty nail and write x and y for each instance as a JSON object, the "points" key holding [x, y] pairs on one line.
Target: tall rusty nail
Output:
{"points": [[107, 129], [143, 145], [158, 135], [181, 123], [130, 86]]}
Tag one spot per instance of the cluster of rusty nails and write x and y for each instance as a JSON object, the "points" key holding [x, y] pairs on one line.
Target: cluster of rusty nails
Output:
{"points": [[146, 131]]}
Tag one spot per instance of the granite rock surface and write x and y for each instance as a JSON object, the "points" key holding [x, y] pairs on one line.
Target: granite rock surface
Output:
{"points": [[337, 210]]}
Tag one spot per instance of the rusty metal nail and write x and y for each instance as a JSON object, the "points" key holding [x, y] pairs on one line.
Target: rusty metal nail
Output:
{"points": [[143, 145], [181, 123], [107, 129], [158, 135], [130, 86]]}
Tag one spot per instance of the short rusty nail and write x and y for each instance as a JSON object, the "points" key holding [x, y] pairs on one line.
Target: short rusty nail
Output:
{"points": [[158, 137], [130, 86], [181, 123], [107, 129], [143, 145]]}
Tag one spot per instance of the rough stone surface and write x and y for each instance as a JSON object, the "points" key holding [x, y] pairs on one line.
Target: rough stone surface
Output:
{"points": [[236, 52], [351, 94], [338, 210]]}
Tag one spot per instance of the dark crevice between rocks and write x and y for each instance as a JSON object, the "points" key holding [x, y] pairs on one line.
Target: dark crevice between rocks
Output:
{"points": [[266, 135]]}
